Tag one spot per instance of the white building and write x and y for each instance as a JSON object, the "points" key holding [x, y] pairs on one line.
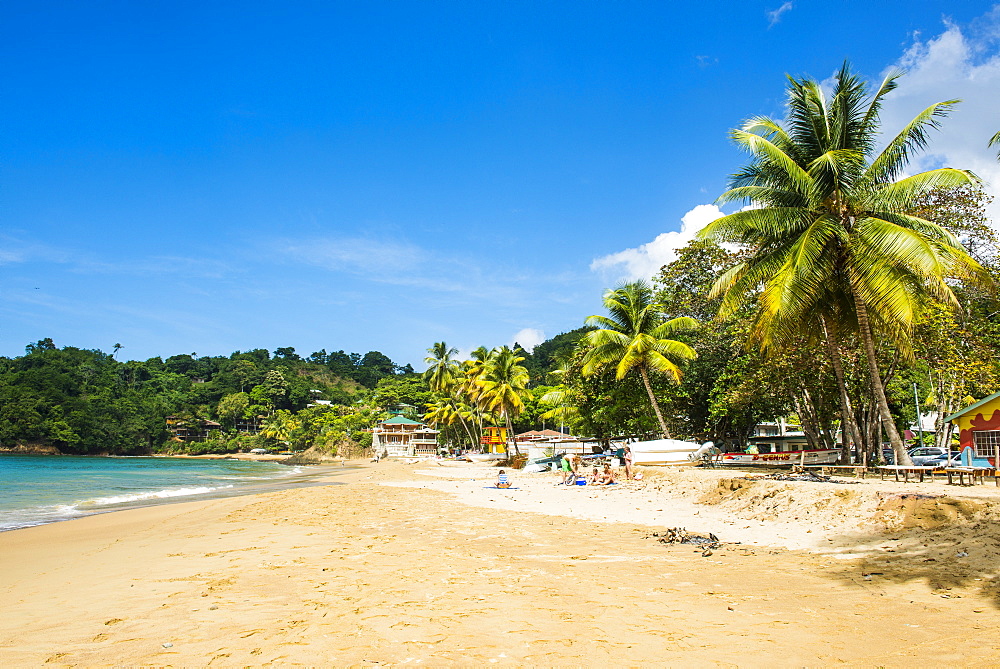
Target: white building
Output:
{"points": [[402, 437]]}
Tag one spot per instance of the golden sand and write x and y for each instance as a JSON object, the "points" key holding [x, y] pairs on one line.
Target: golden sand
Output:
{"points": [[423, 564]]}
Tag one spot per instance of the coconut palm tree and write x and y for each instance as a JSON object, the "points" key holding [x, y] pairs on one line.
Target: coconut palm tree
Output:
{"points": [[994, 141], [634, 337], [503, 386], [280, 427], [442, 367], [831, 239], [448, 410]]}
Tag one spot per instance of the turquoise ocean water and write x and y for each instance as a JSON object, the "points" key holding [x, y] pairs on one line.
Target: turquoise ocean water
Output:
{"points": [[44, 489]]}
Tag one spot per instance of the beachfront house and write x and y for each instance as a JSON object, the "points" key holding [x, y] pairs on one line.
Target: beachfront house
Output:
{"points": [[978, 428], [402, 437], [191, 430]]}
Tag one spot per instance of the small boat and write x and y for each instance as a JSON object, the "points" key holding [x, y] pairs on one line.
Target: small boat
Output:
{"points": [[542, 464], [664, 452], [485, 457], [804, 456]]}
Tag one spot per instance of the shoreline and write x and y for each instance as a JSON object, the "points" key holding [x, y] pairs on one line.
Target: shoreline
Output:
{"points": [[295, 475], [426, 563]]}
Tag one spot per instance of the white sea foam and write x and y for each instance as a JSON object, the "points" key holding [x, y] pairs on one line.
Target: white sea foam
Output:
{"points": [[156, 494], [18, 518]]}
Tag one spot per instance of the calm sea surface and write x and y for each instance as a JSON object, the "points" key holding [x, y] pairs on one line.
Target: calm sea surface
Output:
{"points": [[37, 489]]}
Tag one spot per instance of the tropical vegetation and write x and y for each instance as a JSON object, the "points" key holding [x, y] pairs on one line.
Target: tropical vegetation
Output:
{"points": [[843, 287], [834, 246]]}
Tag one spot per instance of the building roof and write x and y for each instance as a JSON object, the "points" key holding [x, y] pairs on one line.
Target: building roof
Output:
{"points": [[399, 420], [971, 407], [541, 433]]}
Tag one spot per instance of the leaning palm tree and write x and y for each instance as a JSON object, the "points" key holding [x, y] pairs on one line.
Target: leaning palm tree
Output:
{"points": [[832, 244], [442, 367], [634, 337], [503, 386]]}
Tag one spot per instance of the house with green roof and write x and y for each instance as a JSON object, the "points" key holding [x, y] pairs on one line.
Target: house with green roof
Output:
{"points": [[402, 437]]}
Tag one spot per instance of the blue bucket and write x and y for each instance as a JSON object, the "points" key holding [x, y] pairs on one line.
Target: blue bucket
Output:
{"points": [[581, 481]]}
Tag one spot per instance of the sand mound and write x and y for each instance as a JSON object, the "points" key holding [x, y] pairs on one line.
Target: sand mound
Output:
{"points": [[928, 512]]}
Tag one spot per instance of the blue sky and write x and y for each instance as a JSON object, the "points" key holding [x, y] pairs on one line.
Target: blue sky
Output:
{"points": [[206, 177]]}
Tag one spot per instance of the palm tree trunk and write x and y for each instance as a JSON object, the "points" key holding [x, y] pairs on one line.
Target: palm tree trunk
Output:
{"points": [[652, 400], [898, 448], [510, 436], [472, 443], [849, 427]]}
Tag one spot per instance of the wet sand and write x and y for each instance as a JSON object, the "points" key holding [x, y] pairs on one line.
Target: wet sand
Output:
{"points": [[425, 564]]}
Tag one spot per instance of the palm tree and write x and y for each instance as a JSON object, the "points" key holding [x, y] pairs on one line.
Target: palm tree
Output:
{"points": [[280, 427], [442, 368], [831, 239], [634, 337], [470, 387], [447, 410], [503, 386], [995, 140]]}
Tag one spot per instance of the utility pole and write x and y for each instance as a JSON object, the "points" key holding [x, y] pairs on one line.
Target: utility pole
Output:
{"points": [[920, 417]]}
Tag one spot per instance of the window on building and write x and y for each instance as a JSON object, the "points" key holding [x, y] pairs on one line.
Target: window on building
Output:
{"points": [[985, 443]]}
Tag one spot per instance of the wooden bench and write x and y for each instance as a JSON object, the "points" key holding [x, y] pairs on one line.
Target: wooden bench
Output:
{"points": [[973, 473], [906, 470]]}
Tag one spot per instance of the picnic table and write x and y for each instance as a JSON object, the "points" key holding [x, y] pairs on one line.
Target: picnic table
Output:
{"points": [[906, 470], [973, 473]]}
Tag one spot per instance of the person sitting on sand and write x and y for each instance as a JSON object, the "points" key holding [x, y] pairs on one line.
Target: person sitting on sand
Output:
{"points": [[502, 480], [607, 476], [594, 478]]}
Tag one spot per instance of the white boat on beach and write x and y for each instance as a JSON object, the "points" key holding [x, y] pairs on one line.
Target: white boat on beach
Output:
{"points": [[664, 452], [804, 457], [485, 457], [789, 448]]}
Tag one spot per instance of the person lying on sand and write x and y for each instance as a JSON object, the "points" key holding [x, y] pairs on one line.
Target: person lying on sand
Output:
{"points": [[502, 480]]}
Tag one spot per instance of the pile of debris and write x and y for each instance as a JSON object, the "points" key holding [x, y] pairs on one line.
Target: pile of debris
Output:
{"points": [[679, 535], [807, 476]]}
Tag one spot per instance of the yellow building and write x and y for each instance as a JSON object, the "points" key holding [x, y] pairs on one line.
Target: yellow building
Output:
{"points": [[494, 440]]}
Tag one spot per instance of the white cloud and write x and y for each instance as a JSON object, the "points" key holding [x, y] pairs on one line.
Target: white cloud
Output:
{"points": [[528, 338], [356, 255], [774, 15], [645, 261], [954, 64]]}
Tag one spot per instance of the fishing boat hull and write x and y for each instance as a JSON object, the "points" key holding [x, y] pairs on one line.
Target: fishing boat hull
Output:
{"points": [[485, 457], [663, 452], [808, 457]]}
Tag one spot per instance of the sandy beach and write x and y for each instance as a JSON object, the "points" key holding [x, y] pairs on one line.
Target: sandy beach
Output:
{"points": [[426, 564]]}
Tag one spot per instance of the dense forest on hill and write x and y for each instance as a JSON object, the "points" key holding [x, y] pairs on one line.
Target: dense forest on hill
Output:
{"points": [[86, 401]]}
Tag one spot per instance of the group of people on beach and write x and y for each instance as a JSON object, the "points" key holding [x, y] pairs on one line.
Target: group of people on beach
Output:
{"points": [[570, 470]]}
